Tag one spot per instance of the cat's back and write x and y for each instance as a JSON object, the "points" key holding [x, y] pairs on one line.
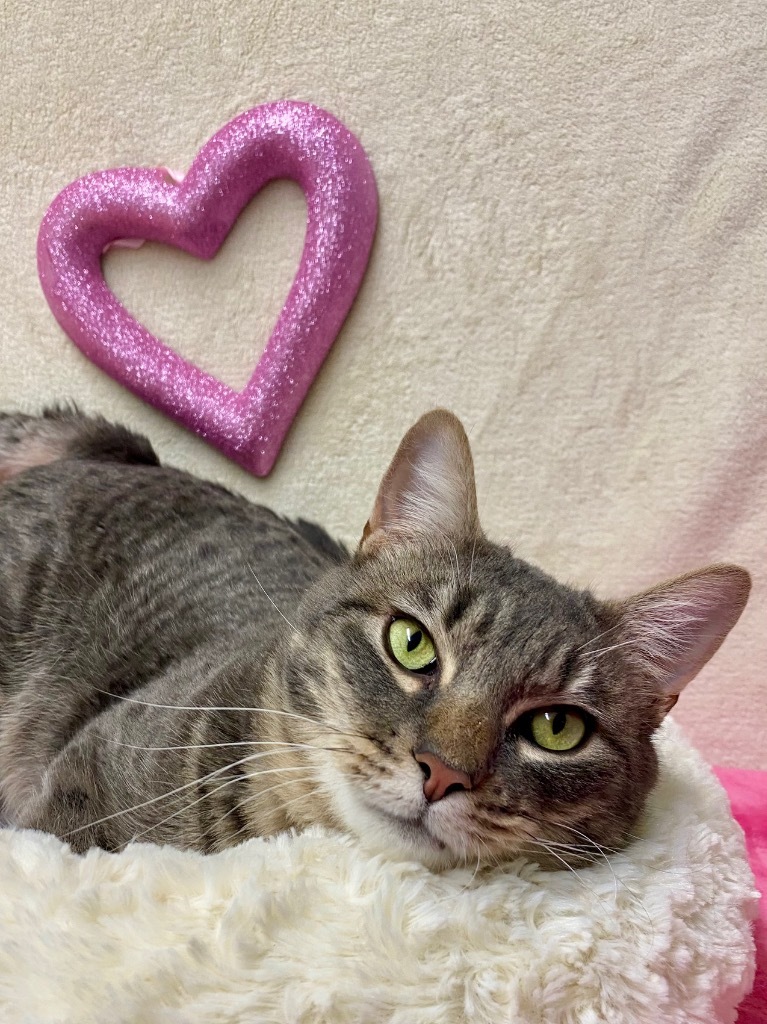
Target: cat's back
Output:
{"points": [[158, 558]]}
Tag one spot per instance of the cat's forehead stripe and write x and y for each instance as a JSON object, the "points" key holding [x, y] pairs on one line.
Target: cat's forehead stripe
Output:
{"points": [[460, 603], [579, 680]]}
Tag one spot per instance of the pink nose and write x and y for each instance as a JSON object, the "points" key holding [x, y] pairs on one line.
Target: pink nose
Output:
{"points": [[440, 779]]}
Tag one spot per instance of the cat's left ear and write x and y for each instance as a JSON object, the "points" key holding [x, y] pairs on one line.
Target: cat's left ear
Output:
{"points": [[428, 491], [671, 630]]}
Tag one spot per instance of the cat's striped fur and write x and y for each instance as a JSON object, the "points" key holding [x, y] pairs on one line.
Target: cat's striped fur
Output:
{"points": [[181, 666]]}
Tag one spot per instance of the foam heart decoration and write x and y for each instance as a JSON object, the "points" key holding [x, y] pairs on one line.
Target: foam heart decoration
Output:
{"points": [[277, 140]]}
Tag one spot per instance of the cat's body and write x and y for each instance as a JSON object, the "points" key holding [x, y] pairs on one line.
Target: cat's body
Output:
{"points": [[145, 583], [141, 607]]}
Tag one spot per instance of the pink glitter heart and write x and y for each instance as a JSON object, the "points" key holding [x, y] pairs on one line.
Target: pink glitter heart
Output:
{"points": [[278, 140]]}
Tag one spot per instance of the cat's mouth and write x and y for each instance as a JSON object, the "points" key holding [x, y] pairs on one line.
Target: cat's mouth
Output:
{"points": [[416, 823], [414, 833], [414, 828]]}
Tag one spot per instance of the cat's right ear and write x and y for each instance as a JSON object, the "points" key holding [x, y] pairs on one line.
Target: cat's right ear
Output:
{"points": [[428, 491], [672, 630]]}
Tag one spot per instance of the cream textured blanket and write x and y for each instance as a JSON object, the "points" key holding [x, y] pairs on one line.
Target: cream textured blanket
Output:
{"points": [[310, 929]]}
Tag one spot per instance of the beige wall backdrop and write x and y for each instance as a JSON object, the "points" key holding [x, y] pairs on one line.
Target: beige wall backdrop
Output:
{"points": [[571, 255]]}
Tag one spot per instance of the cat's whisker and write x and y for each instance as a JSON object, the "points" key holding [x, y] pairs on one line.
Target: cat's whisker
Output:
{"points": [[497, 829], [286, 804], [212, 792], [498, 857], [542, 843], [591, 843], [205, 707], [633, 836], [255, 796], [234, 743], [481, 846], [213, 707], [166, 796], [268, 598], [250, 798], [581, 850], [491, 858], [584, 847], [463, 889], [302, 796], [618, 881]]}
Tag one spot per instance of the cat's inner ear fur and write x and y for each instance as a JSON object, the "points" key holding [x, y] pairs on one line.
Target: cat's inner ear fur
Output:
{"points": [[671, 630], [428, 490]]}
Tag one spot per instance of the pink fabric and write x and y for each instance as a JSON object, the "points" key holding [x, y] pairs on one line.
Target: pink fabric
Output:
{"points": [[747, 791]]}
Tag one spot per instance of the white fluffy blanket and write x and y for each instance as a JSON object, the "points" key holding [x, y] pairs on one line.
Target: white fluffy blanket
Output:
{"points": [[311, 929]]}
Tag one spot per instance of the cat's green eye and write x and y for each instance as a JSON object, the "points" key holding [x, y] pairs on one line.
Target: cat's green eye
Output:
{"points": [[411, 645], [558, 728]]}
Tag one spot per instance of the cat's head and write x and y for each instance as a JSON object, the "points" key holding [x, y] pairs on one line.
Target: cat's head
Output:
{"points": [[481, 709]]}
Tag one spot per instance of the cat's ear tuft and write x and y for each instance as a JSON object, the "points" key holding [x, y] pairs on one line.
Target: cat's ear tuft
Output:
{"points": [[671, 630], [428, 490]]}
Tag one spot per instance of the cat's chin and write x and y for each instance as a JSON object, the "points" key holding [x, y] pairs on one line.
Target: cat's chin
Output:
{"points": [[408, 839], [411, 838], [397, 836]]}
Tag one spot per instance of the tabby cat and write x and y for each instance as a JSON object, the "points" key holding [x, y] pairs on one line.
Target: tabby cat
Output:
{"points": [[181, 666]]}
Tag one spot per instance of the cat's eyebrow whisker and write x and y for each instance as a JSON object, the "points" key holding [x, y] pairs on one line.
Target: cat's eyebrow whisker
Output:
{"points": [[471, 561], [593, 640], [268, 598], [457, 563], [614, 647]]}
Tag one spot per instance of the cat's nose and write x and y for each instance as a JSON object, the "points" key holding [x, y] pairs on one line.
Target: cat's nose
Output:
{"points": [[439, 778]]}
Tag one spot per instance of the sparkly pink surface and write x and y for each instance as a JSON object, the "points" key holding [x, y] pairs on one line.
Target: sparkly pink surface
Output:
{"points": [[747, 791], [277, 140]]}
